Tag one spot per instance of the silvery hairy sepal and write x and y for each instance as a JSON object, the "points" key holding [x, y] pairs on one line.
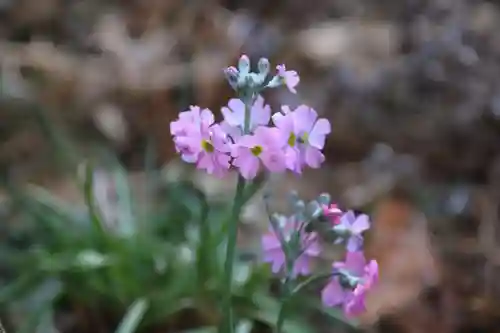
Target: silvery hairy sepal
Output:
{"points": [[242, 79]]}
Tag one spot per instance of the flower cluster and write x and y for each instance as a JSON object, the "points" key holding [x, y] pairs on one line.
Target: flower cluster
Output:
{"points": [[254, 140], [251, 138], [293, 242]]}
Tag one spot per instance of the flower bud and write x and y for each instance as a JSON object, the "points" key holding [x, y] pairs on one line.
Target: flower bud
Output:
{"points": [[263, 67], [324, 199], [231, 74], [244, 65]]}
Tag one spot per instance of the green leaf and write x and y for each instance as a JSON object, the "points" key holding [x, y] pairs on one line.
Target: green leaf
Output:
{"points": [[88, 193], [133, 317], [19, 287], [37, 307], [61, 207]]}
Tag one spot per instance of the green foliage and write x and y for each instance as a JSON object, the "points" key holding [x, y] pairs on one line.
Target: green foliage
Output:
{"points": [[153, 262]]}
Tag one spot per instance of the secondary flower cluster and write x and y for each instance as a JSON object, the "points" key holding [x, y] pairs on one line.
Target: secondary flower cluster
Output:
{"points": [[290, 246], [251, 138]]}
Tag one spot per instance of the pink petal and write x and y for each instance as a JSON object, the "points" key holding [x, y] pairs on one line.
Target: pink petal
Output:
{"points": [[249, 166], [248, 141], [333, 294], [276, 258], [223, 160], [361, 224], [270, 242], [274, 161], [292, 159], [355, 262], [207, 117], [354, 243], [318, 134], [348, 219], [355, 306], [304, 118], [313, 157], [285, 123], [302, 266]]}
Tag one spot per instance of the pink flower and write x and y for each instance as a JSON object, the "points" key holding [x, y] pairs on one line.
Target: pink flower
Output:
{"points": [[354, 226], [234, 116], [305, 135], [200, 141], [355, 267], [290, 78], [333, 213], [371, 274], [195, 116], [273, 252], [355, 302], [334, 293], [263, 147]]}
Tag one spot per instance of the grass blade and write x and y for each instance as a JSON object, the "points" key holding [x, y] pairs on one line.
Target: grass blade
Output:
{"points": [[133, 317]]}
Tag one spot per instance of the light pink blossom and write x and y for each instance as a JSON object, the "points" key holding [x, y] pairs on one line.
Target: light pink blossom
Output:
{"points": [[290, 78], [352, 300], [305, 136], [263, 148], [333, 213], [354, 226], [201, 141]]}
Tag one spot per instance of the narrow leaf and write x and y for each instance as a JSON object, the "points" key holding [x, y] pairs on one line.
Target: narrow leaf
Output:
{"points": [[133, 317]]}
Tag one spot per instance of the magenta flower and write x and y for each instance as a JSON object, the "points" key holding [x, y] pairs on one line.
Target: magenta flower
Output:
{"points": [[187, 119], [200, 141], [334, 292], [290, 78], [263, 147], [333, 213], [355, 303], [371, 274], [305, 136], [234, 116], [365, 276], [273, 251], [352, 226]]}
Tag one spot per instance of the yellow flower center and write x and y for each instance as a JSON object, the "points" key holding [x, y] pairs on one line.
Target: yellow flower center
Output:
{"points": [[304, 138], [257, 150], [207, 146], [292, 139]]}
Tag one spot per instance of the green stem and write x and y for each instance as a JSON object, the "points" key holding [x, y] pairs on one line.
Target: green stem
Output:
{"points": [[285, 299], [232, 234], [227, 324]]}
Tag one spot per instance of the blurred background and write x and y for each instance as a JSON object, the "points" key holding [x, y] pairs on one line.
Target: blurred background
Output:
{"points": [[411, 88]]}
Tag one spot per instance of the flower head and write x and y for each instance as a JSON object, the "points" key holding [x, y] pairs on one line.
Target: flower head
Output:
{"points": [[332, 212], [350, 284], [290, 78], [305, 137], [201, 141], [352, 227], [262, 148], [307, 242], [337, 291]]}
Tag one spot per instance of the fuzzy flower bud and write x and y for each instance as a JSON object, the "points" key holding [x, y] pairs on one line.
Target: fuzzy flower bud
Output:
{"points": [[263, 67], [232, 74]]}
